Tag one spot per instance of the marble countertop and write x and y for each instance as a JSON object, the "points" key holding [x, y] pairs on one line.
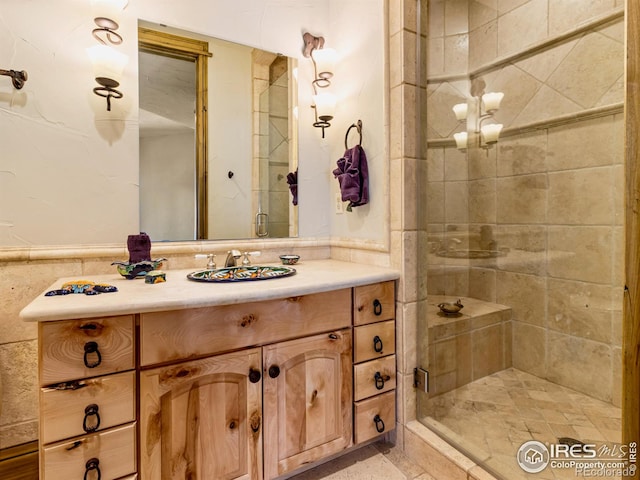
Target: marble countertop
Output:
{"points": [[136, 296]]}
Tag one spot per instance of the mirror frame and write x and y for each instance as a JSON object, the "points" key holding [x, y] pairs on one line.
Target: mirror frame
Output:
{"points": [[184, 48]]}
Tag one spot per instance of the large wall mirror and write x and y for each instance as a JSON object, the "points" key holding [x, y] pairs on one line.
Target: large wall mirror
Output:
{"points": [[218, 138]]}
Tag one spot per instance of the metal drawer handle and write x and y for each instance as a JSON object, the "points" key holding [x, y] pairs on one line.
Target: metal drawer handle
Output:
{"points": [[377, 308], [379, 423], [92, 464], [89, 348], [380, 379], [377, 344], [91, 411]]}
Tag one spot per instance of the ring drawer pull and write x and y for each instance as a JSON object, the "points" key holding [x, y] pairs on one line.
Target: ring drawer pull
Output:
{"points": [[377, 308], [89, 348], [377, 344], [92, 464], [379, 423], [380, 379], [91, 411]]}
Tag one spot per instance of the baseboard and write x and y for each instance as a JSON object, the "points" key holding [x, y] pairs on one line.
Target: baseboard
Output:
{"points": [[19, 462]]}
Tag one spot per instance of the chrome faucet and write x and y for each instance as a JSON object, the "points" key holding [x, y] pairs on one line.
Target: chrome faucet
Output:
{"points": [[232, 258]]}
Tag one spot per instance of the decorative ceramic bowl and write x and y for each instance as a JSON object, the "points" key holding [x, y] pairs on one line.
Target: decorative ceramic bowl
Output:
{"points": [[450, 308], [289, 259], [137, 270]]}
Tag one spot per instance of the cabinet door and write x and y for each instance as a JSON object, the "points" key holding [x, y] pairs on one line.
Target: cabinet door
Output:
{"points": [[202, 419], [307, 400]]}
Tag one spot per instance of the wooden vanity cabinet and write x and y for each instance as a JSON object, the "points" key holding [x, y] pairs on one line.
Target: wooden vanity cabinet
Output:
{"points": [[246, 391], [307, 400], [203, 419], [374, 359], [87, 398]]}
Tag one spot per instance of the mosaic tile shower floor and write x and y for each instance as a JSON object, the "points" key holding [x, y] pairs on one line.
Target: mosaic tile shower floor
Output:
{"points": [[492, 417]]}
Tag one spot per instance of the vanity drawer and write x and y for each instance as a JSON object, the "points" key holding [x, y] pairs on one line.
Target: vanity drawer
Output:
{"points": [[374, 303], [375, 416], [77, 409], [115, 451], [73, 349], [374, 341], [183, 334], [374, 377]]}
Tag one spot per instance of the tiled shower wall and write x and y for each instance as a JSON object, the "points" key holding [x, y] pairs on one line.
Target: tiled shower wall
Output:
{"points": [[550, 195]]}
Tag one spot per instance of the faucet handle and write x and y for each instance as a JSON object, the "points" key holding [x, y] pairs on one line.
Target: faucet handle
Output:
{"points": [[211, 260], [245, 261]]}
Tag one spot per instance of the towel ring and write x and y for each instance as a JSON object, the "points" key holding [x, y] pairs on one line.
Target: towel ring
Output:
{"points": [[358, 127]]}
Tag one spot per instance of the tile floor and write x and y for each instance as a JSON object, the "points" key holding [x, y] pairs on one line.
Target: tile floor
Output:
{"points": [[488, 420], [492, 417], [378, 461]]}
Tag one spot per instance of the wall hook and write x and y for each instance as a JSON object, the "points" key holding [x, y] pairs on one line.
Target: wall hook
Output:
{"points": [[18, 78]]}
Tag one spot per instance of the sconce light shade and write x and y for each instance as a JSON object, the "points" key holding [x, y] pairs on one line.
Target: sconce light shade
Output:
{"points": [[325, 105], [108, 65], [107, 62], [325, 60], [491, 132], [461, 140], [460, 111], [492, 101]]}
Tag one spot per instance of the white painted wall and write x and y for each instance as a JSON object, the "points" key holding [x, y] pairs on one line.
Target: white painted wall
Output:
{"points": [[69, 168]]}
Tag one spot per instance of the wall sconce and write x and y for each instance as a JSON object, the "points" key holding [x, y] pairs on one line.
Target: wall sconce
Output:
{"points": [[106, 13], [486, 104], [108, 65], [323, 60]]}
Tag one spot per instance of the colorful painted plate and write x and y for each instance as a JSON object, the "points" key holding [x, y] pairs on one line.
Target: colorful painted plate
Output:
{"points": [[241, 274]]}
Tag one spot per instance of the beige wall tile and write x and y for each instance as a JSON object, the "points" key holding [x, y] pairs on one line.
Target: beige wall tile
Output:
{"points": [[435, 13], [408, 333], [18, 433], [522, 199], [456, 17], [455, 165], [543, 64], [483, 44], [482, 163], [581, 253], [522, 154], [581, 197], [580, 364], [529, 348], [482, 12], [616, 386], [580, 309], [564, 16], [435, 56], [456, 54], [482, 284], [589, 143], [456, 198], [409, 57], [482, 201], [488, 352], [507, 330], [522, 26], [396, 60], [440, 116], [19, 386], [525, 294], [592, 49]]}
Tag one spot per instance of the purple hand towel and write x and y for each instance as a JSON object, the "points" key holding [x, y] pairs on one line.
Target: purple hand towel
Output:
{"points": [[353, 175], [139, 248], [292, 180]]}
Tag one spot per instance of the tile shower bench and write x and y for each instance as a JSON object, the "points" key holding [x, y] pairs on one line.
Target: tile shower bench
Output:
{"points": [[469, 345]]}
